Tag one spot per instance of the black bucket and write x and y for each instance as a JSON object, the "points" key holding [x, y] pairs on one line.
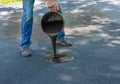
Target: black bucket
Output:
{"points": [[52, 23]]}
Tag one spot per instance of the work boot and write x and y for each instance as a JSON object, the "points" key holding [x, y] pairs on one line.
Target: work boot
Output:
{"points": [[63, 43], [26, 51]]}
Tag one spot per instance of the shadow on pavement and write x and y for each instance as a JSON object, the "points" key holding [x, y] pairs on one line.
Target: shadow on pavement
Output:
{"points": [[96, 45]]}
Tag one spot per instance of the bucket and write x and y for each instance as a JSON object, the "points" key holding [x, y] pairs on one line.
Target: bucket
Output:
{"points": [[52, 23]]}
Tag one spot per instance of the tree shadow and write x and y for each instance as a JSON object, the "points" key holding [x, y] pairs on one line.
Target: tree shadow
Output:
{"points": [[81, 16], [95, 38]]}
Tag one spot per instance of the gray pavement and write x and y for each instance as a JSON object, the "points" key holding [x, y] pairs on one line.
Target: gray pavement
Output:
{"points": [[92, 26]]}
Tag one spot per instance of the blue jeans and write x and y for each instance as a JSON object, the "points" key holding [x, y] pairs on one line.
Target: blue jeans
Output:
{"points": [[27, 23]]}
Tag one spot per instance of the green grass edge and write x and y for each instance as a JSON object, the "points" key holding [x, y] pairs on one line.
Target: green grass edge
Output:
{"points": [[9, 1]]}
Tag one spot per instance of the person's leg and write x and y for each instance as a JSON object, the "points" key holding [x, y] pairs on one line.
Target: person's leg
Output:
{"points": [[26, 27], [60, 38], [61, 35], [27, 22]]}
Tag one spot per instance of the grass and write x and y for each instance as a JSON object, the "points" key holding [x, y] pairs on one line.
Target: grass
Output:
{"points": [[9, 1]]}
